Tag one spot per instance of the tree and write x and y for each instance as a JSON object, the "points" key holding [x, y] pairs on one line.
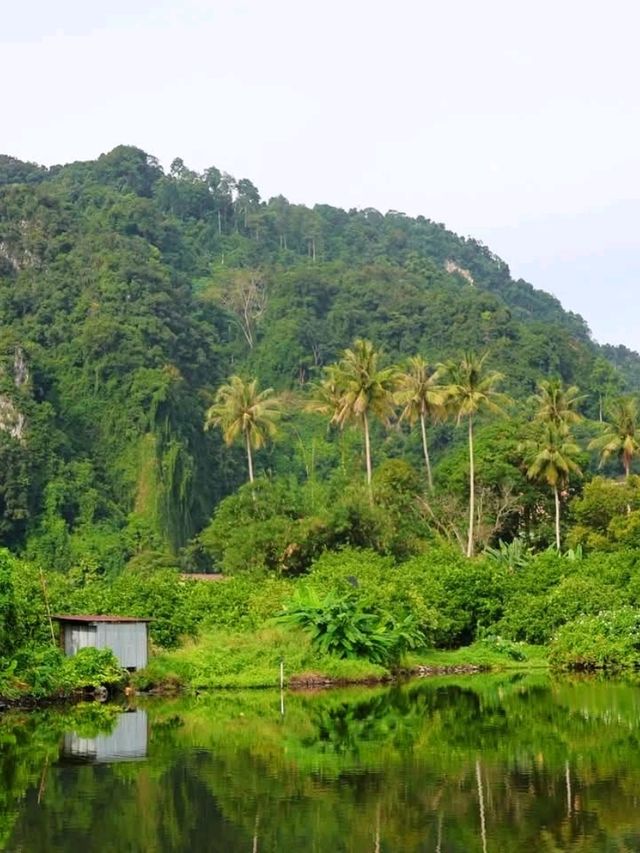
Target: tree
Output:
{"points": [[605, 382], [240, 410], [621, 435], [470, 389], [356, 389], [244, 295], [556, 404], [423, 399], [553, 451]]}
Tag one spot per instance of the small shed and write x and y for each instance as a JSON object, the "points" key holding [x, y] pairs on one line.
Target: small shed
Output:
{"points": [[126, 636]]}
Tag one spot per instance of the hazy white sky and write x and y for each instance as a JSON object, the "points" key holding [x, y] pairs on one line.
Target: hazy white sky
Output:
{"points": [[517, 122]]}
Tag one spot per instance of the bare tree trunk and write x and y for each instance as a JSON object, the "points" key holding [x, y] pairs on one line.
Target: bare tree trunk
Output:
{"points": [[556, 496], [249, 459], [472, 490], [367, 453], [425, 448], [567, 776]]}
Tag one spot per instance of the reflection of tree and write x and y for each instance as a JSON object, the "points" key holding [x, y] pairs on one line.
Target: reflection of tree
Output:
{"points": [[495, 763]]}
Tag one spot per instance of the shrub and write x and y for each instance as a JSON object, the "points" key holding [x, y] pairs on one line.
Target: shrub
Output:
{"points": [[610, 640], [534, 618], [466, 594], [92, 667], [340, 626]]}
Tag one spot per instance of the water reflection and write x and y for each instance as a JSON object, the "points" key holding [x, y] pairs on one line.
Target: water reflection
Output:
{"points": [[487, 764], [127, 741]]}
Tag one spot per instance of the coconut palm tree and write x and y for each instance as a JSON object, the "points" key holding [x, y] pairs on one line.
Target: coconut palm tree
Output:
{"points": [[421, 398], [554, 453], [621, 435], [557, 404], [241, 410], [470, 389], [356, 389]]}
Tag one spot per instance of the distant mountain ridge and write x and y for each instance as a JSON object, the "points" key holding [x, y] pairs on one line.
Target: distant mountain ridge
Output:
{"points": [[117, 283]]}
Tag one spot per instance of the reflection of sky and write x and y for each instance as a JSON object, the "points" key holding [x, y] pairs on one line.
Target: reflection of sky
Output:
{"points": [[491, 117]]}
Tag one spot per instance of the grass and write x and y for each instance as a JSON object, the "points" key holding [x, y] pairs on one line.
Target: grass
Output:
{"points": [[222, 659], [233, 659], [486, 654]]}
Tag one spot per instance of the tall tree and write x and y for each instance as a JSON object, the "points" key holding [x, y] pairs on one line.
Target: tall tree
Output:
{"points": [[621, 435], [557, 404], [471, 389], [243, 294], [553, 454], [357, 389], [421, 398], [241, 410]]}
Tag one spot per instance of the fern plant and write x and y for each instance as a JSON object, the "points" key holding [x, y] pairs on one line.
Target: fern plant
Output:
{"points": [[340, 626]]}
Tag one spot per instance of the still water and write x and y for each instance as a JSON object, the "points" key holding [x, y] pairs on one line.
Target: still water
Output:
{"points": [[495, 763]]}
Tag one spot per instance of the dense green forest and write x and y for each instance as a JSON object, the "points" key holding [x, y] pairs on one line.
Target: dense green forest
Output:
{"points": [[136, 305], [127, 295]]}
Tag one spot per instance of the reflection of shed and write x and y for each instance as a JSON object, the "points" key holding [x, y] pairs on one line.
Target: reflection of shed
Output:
{"points": [[125, 635], [127, 742]]}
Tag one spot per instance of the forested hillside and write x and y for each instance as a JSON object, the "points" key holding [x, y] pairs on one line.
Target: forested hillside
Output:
{"points": [[128, 295]]}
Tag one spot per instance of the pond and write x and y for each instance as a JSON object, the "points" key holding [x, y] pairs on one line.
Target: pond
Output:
{"points": [[481, 763]]}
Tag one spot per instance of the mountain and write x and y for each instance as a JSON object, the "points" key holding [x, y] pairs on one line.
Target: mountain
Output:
{"points": [[127, 294]]}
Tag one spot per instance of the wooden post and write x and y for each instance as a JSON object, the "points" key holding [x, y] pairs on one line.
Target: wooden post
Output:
{"points": [[282, 688], [46, 604]]}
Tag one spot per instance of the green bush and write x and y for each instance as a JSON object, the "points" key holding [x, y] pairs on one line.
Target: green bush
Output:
{"points": [[92, 667], [534, 618], [339, 625], [609, 640], [44, 671], [467, 595]]}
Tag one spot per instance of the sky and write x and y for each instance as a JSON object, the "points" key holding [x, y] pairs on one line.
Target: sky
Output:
{"points": [[512, 121]]}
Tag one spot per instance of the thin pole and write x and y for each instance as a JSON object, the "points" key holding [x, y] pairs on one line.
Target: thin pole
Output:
{"points": [[46, 605], [282, 688]]}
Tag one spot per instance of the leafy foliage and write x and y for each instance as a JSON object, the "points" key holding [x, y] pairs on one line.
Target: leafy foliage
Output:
{"points": [[340, 626]]}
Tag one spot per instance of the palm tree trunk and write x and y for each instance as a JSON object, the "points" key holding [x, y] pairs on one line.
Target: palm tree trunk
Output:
{"points": [[367, 452], [557, 500], [472, 490], [249, 459], [425, 448], [627, 466], [483, 826]]}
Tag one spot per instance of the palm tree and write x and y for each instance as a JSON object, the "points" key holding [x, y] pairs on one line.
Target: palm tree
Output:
{"points": [[554, 453], [242, 411], [557, 404], [356, 389], [470, 389], [621, 435], [422, 399]]}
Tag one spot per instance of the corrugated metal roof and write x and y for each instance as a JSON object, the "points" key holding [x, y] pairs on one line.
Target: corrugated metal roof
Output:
{"points": [[201, 576], [99, 618]]}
